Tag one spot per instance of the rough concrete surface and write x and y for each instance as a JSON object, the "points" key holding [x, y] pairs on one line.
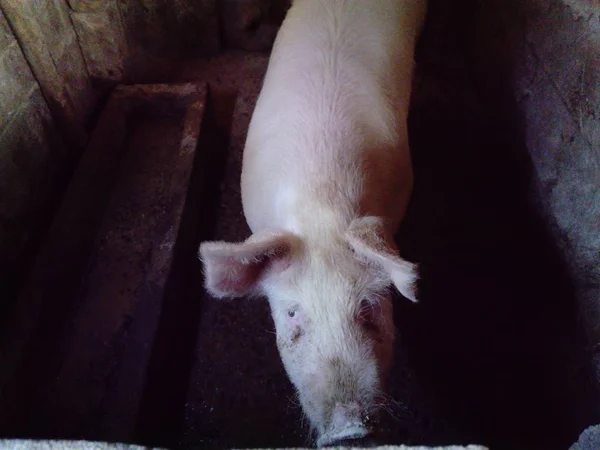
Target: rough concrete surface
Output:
{"points": [[588, 440], [104, 269], [16, 80], [169, 30], [41, 127], [547, 54], [102, 38], [86, 445], [252, 24], [52, 17], [161, 34], [24, 444], [35, 32], [34, 164], [566, 148], [66, 241]]}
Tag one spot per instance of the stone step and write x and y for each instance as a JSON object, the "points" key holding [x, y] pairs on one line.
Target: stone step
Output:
{"points": [[75, 361]]}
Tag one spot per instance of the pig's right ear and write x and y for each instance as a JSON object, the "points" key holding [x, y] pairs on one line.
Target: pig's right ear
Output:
{"points": [[370, 240], [236, 269]]}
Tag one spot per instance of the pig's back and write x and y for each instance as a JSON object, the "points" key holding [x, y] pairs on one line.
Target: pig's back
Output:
{"points": [[329, 126]]}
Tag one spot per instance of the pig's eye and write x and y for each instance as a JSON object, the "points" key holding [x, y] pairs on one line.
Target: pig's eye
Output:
{"points": [[295, 326]]}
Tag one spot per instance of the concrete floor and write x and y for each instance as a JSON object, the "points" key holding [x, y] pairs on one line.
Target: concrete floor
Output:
{"points": [[493, 353]]}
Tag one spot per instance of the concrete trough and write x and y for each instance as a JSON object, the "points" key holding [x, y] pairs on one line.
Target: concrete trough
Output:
{"points": [[82, 333]]}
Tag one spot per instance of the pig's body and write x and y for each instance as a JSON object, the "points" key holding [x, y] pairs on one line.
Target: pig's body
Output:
{"points": [[328, 137], [326, 180]]}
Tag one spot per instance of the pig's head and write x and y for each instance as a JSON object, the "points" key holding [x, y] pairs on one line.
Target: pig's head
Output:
{"points": [[332, 310]]}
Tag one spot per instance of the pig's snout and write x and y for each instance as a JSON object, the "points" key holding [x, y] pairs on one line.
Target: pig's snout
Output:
{"points": [[365, 442], [346, 426]]}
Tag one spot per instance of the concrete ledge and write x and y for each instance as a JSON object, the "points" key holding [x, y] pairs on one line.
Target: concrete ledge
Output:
{"points": [[589, 439], [87, 445]]}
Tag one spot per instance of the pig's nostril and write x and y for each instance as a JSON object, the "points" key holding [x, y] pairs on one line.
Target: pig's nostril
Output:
{"points": [[362, 442]]}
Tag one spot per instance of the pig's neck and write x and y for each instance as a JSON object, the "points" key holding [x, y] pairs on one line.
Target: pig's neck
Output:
{"points": [[322, 221]]}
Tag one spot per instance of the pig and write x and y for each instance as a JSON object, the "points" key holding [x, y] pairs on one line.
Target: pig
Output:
{"points": [[326, 180]]}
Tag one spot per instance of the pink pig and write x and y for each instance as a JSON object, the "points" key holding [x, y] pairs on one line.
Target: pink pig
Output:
{"points": [[326, 180]]}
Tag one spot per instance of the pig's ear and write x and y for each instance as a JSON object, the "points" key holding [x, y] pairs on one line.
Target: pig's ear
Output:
{"points": [[370, 240], [236, 269]]}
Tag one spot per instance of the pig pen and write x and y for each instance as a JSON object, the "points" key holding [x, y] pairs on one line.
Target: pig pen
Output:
{"points": [[122, 126]]}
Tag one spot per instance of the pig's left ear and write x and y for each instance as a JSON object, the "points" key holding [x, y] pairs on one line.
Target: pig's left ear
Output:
{"points": [[370, 240], [237, 269]]}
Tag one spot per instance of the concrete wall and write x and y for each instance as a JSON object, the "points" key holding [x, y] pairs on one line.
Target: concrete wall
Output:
{"points": [[59, 57], [541, 60], [45, 96], [100, 31], [159, 32], [559, 92]]}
